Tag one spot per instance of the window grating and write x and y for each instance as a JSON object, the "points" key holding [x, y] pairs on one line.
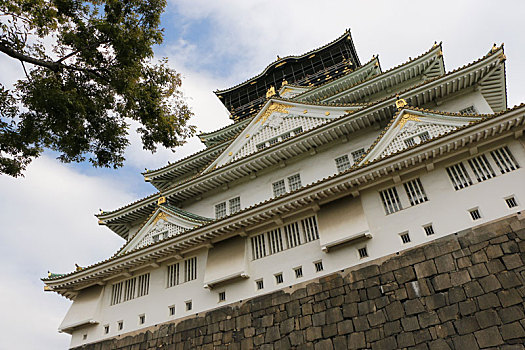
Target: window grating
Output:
{"points": [[481, 168], [356, 155], [235, 204], [222, 296], [459, 176], [275, 241], [468, 110], [279, 278], [410, 142], [405, 237], [172, 310], [415, 192], [116, 293], [342, 163], [294, 182], [189, 305], [258, 246], [425, 136], [259, 284], [142, 319], [318, 266], [120, 325], [390, 200], [298, 272], [429, 229], [129, 289], [504, 160], [511, 202], [173, 275], [220, 210], [190, 269], [143, 285], [293, 238], [106, 329], [363, 253], [475, 214], [311, 232], [278, 188]]}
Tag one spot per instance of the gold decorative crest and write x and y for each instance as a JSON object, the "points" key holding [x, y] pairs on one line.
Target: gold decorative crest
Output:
{"points": [[161, 200], [270, 92], [162, 216], [274, 107], [405, 118], [401, 103]]}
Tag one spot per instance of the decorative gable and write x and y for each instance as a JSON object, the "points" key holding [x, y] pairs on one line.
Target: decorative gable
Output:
{"points": [[411, 128], [161, 229]]}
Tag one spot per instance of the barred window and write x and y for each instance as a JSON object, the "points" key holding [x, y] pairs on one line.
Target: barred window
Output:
{"points": [[298, 272], [275, 241], [220, 210], [259, 284], [190, 269], [390, 200], [294, 182], [310, 230], [475, 214], [143, 285], [278, 188], [511, 202], [222, 296], [258, 246], [120, 325], [363, 253], [468, 110], [142, 319], [235, 204], [356, 155], [415, 192], [173, 274], [189, 305], [342, 163], [318, 266], [293, 237], [459, 176], [116, 293], [171, 310], [405, 237], [279, 278], [429, 229], [129, 289], [410, 142], [504, 160], [481, 168], [424, 136]]}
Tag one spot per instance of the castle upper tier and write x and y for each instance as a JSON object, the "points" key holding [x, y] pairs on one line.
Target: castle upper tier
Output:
{"points": [[328, 163]]}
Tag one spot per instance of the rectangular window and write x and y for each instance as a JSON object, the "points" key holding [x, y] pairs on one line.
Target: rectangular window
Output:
{"points": [[261, 146], [459, 176], [259, 284], [189, 305], [298, 272], [275, 240], [171, 310], [415, 192], [504, 160], [481, 168], [120, 325], [468, 110], [116, 293], [143, 285], [293, 238], [511, 202], [429, 229], [358, 154], [318, 266], [363, 253], [142, 319], [222, 296], [235, 204], [424, 136], [190, 269], [405, 237], [279, 278], [106, 329], [278, 188], [294, 182], [475, 214], [258, 246], [273, 141], [342, 163], [390, 200], [84, 337], [173, 275], [129, 289], [220, 210], [410, 142], [310, 230]]}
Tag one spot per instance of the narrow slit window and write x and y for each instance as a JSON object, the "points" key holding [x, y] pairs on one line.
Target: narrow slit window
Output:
{"points": [[390, 200], [171, 310], [459, 176], [310, 230], [189, 305], [511, 202], [84, 337], [222, 296], [258, 247], [298, 272], [220, 210], [116, 293], [235, 205], [415, 192], [363, 253], [429, 229], [190, 269], [173, 274], [481, 168], [142, 319], [293, 237], [405, 237], [504, 160], [342, 163], [278, 188], [279, 278], [475, 214], [275, 240], [143, 285], [106, 329], [259, 284], [294, 182], [357, 154], [318, 266], [120, 325]]}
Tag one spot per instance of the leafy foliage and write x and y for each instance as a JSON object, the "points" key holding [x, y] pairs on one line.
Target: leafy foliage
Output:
{"points": [[88, 67]]}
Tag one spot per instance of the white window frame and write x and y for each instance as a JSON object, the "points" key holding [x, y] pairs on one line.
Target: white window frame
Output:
{"points": [[431, 227], [359, 152], [402, 236], [358, 250], [228, 210], [513, 198], [471, 210], [292, 178], [342, 163]]}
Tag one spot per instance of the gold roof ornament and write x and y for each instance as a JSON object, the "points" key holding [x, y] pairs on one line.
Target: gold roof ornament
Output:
{"points": [[270, 92], [435, 45], [273, 108], [78, 268], [400, 102], [284, 83], [494, 48], [161, 200], [407, 117]]}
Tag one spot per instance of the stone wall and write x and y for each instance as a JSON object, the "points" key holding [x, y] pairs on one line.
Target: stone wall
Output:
{"points": [[463, 291]]}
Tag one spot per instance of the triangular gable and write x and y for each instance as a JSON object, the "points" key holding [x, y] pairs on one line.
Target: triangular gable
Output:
{"points": [[165, 222], [273, 123], [288, 91], [411, 128]]}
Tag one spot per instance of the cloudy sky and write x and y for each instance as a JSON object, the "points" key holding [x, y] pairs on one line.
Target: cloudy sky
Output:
{"points": [[46, 218]]}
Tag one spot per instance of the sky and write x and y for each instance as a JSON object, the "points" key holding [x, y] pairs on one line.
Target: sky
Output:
{"points": [[46, 218]]}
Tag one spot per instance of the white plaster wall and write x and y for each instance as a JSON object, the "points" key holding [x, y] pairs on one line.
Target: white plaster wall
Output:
{"points": [[457, 103]]}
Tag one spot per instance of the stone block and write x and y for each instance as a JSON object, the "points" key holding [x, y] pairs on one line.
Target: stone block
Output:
{"points": [[272, 334], [489, 300], [425, 269], [417, 289], [493, 251], [444, 330], [445, 263], [464, 262], [487, 318], [467, 341], [361, 323], [376, 318], [404, 340], [350, 310], [373, 292], [356, 340], [365, 272], [508, 279], [441, 282], [413, 306], [441, 248], [456, 294], [340, 343], [438, 344], [394, 311], [458, 278], [422, 336], [319, 319], [466, 325], [333, 315], [495, 266], [488, 337], [435, 301], [287, 326], [467, 307], [410, 323], [489, 283], [427, 319], [510, 247], [478, 270], [305, 322], [329, 330], [512, 331], [373, 335], [448, 313], [345, 327], [325, 344], [472, 289], [391, 328], [479, 257], [313, 333], [389, 343], [509, 297], [511, 314], [405, 274]]}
